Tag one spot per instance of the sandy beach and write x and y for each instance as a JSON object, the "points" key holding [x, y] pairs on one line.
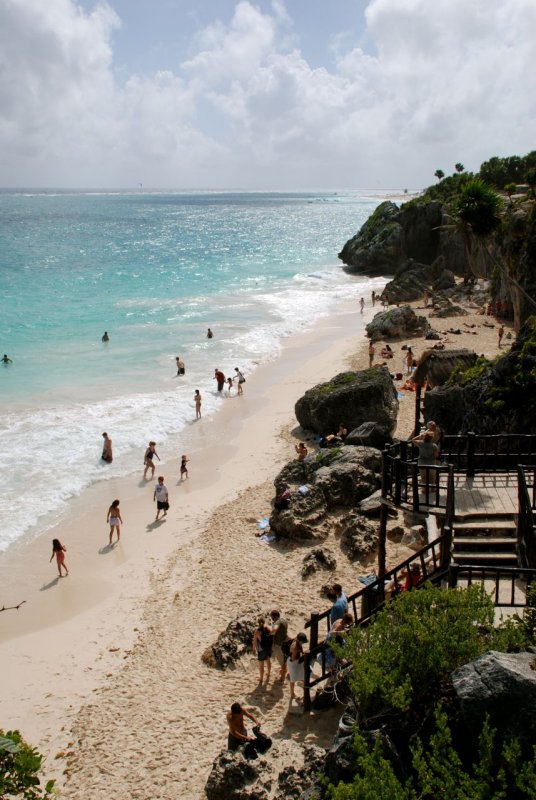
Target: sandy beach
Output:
{"points": [[102, 670]]}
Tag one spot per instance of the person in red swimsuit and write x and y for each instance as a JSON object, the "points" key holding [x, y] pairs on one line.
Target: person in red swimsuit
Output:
{"points": [[58, 550]]}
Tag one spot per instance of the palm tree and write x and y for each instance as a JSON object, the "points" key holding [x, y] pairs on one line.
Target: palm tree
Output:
{"points": [[476, 215], [439, 174], [459, 167]]}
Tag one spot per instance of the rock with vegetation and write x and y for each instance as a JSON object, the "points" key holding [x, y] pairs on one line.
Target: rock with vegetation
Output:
{"points": [[397, 323], [501, 686], [350, 397]]}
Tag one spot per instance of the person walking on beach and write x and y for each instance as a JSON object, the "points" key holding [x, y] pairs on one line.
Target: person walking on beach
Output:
{"points": [[262, 648], [241, 380], [162, 497], [197, 400], [362, 304], [184, 468], [501, 334], [107, 454], [219, 377], [229, 385], [371, 352], [181, 370], [150, 453], [114, 519], [105, 337], [210, 335], [59, 550], [279, 631]]}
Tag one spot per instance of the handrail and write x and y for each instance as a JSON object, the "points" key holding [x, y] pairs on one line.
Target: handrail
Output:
{"points": [[526, 516], [499, 575]]}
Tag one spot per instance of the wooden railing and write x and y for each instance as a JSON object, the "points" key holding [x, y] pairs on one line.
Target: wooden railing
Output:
{"points": [[432, 562], [526, 517], [509, 584]]}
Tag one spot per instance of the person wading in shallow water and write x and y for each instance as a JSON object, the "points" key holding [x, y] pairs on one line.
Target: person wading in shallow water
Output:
{"points": [[150, 453], [107, 449]]}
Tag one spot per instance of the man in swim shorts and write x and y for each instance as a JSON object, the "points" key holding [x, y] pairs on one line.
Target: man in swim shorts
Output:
{"points": [[162, 498]]}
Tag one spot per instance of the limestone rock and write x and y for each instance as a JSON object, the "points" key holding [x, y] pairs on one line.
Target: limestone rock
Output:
{"points": [[371, 506], [346, 481], [446, 280], [232, 778], [370, 434], [297, 783], [351, 397], [319, 558], [305, 518], [234, 642], [503, 686], [397, 323], [359, 537]]}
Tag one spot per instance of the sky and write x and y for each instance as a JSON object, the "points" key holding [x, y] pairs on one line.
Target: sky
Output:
{"points": [[265, 94]]}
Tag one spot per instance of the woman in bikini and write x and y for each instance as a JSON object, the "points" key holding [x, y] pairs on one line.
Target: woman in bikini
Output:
{"points": [[197, 399], [150, 453], [115, 520], [58, 550]]}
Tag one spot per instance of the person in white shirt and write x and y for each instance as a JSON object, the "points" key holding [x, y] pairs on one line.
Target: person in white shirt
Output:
{"points": [[161, 496]]}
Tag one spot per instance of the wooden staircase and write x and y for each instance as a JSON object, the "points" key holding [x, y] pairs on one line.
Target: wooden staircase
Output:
{"points": [[485, 540]]}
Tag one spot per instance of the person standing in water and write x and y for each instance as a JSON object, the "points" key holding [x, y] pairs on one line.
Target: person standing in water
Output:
{"points": [[6, 359], [241, 380], [107, 454], [197, 399], [115, 519], [181, 370], [150, 453], [58, 550], [210, 335], [105, 337]]}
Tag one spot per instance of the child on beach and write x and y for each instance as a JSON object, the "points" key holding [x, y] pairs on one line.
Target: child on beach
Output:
{"points": [[184, 468], [59, 550], [229, 385], [162, 497], [114, 518]]}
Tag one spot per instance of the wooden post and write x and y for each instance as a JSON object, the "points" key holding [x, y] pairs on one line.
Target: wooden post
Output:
{"points": [[471, 442], [382, 544], [306, 679], [453, 576], [314, 631], [417, 425]]}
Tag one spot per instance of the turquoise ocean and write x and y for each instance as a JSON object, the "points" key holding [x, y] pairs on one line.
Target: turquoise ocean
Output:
{"points": [[155, 270]]}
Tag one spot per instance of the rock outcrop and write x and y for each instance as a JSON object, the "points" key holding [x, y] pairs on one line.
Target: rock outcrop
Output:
{"points": [[319, 558], [503, 687], [234, 642], [350, 397], [397, 323], [330, 480], [359, 537]]}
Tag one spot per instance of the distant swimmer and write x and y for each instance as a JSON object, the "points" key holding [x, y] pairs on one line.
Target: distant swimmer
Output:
{"points": [[150, 453], [197, 399], [210, 335], [105, 337], [6, 359], [107, 454], [181, 369]]}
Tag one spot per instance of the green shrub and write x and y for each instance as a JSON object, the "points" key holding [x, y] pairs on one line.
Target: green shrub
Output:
{"points": [[20, 765]]}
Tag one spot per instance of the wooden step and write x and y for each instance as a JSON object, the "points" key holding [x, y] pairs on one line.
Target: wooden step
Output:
{"points": [[486, 524], [464, 557], [488, 541]]}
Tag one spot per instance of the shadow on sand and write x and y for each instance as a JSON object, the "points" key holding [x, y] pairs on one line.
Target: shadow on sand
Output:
{"points": [[50, 584]]}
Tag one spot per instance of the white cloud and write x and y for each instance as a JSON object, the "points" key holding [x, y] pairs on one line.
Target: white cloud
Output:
{"points": [[449, 81]]}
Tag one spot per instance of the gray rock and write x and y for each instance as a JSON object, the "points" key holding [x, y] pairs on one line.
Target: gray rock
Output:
{"points": [[396, 323], [503, 686], [319, 558], [446, 280], [352, 397], [359, 537], [444, 308], [234, 642], [346, 481], [232, 778], [341, 762], [371, 505], [304, 519], [370, 434], [447, 406], [296, 784]]}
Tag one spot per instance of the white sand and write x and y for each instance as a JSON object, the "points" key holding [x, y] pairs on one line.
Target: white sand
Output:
{"points": [[103, 667]]}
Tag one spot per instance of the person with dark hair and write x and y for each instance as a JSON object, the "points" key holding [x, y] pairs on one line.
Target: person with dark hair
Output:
{"points": [[241, 380], [161, 496], [6, 359], [219, 377], [105, 337], [238, 734], [181, 369], [263, 642], [58, 550], [114, 519], [107, 454], [340, 603], [279, 631], [197, 400], [210, 335], [150, 453], [296, 671]]}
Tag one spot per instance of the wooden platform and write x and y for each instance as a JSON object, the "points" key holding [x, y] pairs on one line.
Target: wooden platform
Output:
{"points": [[486, 493]]}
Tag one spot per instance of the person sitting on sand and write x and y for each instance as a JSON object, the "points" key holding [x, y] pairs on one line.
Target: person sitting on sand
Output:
{"points": [[114, 519], [238, 734], [107, 454], [184, 468], [302, 451], [150, 453], [386, 352], [59, 550]]}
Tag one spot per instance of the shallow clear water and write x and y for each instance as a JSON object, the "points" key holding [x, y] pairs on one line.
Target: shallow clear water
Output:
{"points": [[155, 271]]}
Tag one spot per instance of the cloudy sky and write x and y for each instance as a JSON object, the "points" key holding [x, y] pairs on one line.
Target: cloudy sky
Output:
{"points": [[268, 94]]}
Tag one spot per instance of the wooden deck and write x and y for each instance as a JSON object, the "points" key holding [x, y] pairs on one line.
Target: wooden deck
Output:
{"points": [[487, 493]]}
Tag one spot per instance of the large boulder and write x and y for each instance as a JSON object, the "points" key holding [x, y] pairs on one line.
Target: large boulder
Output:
{"points": [[234, 642], [347, 480], [370, 434], [397, 323], [319, 558], [305, 518], [503, 687], [351, 397], [233, 777], [359, 537]]}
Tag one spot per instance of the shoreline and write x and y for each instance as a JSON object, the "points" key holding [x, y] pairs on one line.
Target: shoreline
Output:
{"points": [[130, 657]]}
